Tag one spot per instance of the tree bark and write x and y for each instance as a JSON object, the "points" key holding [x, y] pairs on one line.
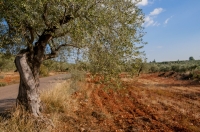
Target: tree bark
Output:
{"points": [[28, 96], [28, 63]]}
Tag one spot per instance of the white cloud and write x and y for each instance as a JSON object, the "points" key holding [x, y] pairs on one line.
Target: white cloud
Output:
{"points": [[149, 19], [150, 22], [156, 11], [167, 20], [143, 3]]}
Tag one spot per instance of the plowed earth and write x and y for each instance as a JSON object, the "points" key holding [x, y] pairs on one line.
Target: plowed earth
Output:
{"points": [[150, 104]]}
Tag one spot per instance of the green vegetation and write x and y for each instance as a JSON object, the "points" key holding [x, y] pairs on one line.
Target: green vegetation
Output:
{"points": [[57, 66], [106, 38], [2, 84], [191, 58], [6, 63], [191, 67]]}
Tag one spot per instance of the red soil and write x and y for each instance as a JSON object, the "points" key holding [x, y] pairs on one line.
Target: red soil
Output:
{"points": [[9, 78], [151, 104]]}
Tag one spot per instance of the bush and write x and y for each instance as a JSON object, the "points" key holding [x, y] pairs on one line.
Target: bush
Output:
{"points": [[154, 68], [183, 69], [145, 68], [53, 65], [175, 68], [1, 77], [2, 84], [44, 71], [165, 69]]}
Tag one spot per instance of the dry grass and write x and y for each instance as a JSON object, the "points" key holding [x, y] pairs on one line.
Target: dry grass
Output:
{"points": [[18, 121], [56, 102]]}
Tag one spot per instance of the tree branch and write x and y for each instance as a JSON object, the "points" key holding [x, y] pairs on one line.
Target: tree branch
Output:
{"points": [[66, 19], [30, 38], [64, 45], [94, 25], [32, 34], [74, 9], [49, 56], [61, 34], [54, 53], [44, 15], [61, 22]]}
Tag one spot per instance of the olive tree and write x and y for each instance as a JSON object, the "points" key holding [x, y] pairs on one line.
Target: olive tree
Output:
{"points": [[113, 27]]}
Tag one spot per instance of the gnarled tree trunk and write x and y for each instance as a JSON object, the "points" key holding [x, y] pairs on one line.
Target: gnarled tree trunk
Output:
{"points": [[28, 64], [28, 95]]}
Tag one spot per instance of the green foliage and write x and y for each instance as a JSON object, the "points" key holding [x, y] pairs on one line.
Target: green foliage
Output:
{"points": [[2, 84], [196, 73], [44, 71], [179, 66], [145, 67], [107, 33], [154, 61], [191, 58], [153, 69], [6, 63], [133, 67], [175, 68], [56, 66], [164, 69]]}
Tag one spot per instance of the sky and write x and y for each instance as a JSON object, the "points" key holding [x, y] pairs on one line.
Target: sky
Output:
{"points": [[172, 29]]}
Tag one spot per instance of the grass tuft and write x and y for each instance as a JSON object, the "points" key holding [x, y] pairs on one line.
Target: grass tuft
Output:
{"points": [[55, 102]]}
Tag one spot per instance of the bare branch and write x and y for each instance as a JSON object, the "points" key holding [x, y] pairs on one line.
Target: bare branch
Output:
{"points": [[65, 45], [50, 56]]}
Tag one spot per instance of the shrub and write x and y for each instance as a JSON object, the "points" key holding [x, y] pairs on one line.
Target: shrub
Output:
{"points": [[165, 69], [44, 71], [183, 69], [2, 84], [145, 68], [154, 68], [175, 68]]}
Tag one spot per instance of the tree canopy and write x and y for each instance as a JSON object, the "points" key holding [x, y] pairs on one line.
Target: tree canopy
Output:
{"points": [[103, 29], [191, 58]]}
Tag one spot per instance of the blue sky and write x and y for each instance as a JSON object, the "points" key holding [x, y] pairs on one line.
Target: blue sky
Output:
{"points": [[173, 29]]}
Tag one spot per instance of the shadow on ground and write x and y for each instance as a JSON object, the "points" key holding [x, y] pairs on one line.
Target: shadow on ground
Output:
{"points": [[6, 105]]}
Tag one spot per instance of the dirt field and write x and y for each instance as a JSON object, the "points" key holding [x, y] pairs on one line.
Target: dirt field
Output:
{"points": [[7, 78], [150, 103]]}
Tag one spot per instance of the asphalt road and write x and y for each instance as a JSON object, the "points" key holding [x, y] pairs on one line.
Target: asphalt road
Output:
{"points": [[8, 94]]}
